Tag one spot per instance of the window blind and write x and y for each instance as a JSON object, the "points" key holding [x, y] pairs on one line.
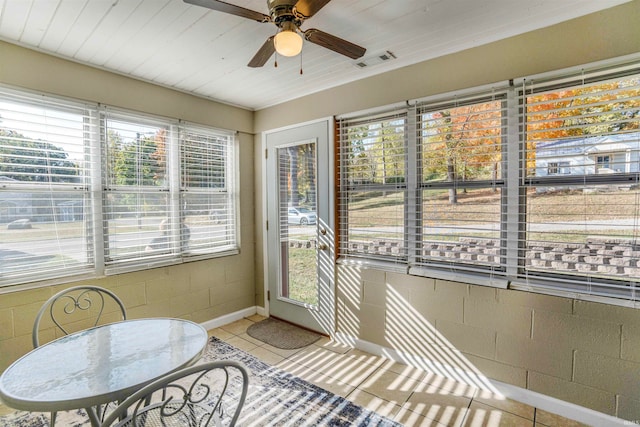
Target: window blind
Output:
{"points": [[373, 189], [138, 221], [45, 182], [89, 189], [581, 182], [207, 190], [460, 185]]}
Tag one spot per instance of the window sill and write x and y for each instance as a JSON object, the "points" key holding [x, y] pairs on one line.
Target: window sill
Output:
{"points": [[553, 290], [458, 276], [376, 264]]}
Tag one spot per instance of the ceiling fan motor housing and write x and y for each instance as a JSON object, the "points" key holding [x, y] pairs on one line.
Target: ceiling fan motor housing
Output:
{"points": [[283, 11]]}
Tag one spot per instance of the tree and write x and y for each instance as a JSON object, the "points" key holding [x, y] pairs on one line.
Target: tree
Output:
{"points": [[376, 152], [203, 160], [360, 163], [587, 110], [462, 143], [389, 151], [137, 162], [298, 165], [26, 159], [160, 155], [294, 197]]}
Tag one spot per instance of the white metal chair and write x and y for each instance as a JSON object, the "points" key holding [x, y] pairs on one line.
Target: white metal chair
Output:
{"points": [[77, 308], [208, 394]]}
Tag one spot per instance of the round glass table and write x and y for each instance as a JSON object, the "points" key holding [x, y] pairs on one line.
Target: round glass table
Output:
{"points": [[100, 365]]}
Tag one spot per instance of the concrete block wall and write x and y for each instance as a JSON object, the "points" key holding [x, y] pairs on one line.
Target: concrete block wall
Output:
{"points": [[196, 291], [581, 352]]}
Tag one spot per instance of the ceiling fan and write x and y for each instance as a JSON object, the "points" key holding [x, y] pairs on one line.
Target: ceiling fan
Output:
{"points": [[287, 15]]}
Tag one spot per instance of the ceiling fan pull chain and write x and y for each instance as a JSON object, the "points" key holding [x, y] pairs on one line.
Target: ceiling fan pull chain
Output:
{"points": [[300, 63], [275, 62]]}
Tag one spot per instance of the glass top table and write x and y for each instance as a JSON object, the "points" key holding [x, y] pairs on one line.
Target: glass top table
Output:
{"points": [[99, 365]]}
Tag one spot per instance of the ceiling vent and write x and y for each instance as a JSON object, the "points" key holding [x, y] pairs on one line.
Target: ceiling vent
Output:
{"points": [[375, 59]]}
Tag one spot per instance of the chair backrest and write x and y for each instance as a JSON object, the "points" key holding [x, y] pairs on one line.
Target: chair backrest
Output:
{"points": [[207, 394], [78, 308]]}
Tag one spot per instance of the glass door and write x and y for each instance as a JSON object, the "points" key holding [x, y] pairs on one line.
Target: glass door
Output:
{"points": [[298, 212], [297, 219]]}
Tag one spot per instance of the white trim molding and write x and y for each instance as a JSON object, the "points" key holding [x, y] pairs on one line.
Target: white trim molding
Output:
{"points": [[229, 318]]}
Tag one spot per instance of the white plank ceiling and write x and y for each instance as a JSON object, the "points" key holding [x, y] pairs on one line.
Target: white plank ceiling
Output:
{"points": [[204, 52]]}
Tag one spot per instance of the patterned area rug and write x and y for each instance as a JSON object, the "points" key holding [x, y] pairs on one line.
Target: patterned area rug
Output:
{"points": [[282, 334], [275, 398]]}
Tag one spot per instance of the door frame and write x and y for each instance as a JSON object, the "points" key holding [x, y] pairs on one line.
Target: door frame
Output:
{"points": [[330, 220]]}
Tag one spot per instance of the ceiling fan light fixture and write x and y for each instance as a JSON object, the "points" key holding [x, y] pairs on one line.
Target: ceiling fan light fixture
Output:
{"points": [[288, 16], [288, 42]]}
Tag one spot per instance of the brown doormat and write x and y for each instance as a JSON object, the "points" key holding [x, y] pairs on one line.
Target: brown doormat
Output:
{"points": [[282, 334]]}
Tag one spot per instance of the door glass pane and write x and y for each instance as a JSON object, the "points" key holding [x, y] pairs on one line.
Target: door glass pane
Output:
{"points": [[297, 220]]}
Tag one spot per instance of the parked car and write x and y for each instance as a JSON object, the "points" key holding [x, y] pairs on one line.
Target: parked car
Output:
{"points": [[22, 224], [301, 216]]}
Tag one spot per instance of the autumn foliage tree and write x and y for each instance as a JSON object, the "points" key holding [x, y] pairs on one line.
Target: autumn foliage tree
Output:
{"points": [[583, 111], [376, 152], [462, 143]]}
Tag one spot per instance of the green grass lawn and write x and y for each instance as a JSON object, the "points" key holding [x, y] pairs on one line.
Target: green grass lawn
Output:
{"points": [[303, 275]]}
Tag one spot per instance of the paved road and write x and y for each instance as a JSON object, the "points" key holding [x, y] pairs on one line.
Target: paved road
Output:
{"points": [[77, 248]]}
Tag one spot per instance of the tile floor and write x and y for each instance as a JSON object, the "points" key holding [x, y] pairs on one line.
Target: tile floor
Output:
{"points": [[405, 394], [408, 395]]}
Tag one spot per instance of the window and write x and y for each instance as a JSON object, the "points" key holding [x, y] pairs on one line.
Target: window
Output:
{"points": [[373, 187], [460, 183], [602, 162], [582, 229], [533, 185], [558, 168], [45, 188], [207, 191], [87, 189], [136, 197]]}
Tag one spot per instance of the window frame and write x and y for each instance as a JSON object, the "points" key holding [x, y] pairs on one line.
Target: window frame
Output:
{"points": [[514, 183], [44, 120], [95, 187], [487, 272], [369, 252], [619, 288]]}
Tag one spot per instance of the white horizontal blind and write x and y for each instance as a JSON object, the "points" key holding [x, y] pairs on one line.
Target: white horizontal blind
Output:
{"points": [[462, 145], [296, 199], [582, 177], [372, 198], [138, 221], [207, 190], [87, 189], [45, 199]]}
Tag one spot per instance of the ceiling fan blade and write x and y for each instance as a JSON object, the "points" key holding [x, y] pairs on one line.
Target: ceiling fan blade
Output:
{"points": [[334, 43], [308, 8], [221, 6], [263, 54]]}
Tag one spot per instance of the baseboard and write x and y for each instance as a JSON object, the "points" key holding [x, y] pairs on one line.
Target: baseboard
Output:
{"points": [[532, 398], [262, 311], [229, 318]]}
